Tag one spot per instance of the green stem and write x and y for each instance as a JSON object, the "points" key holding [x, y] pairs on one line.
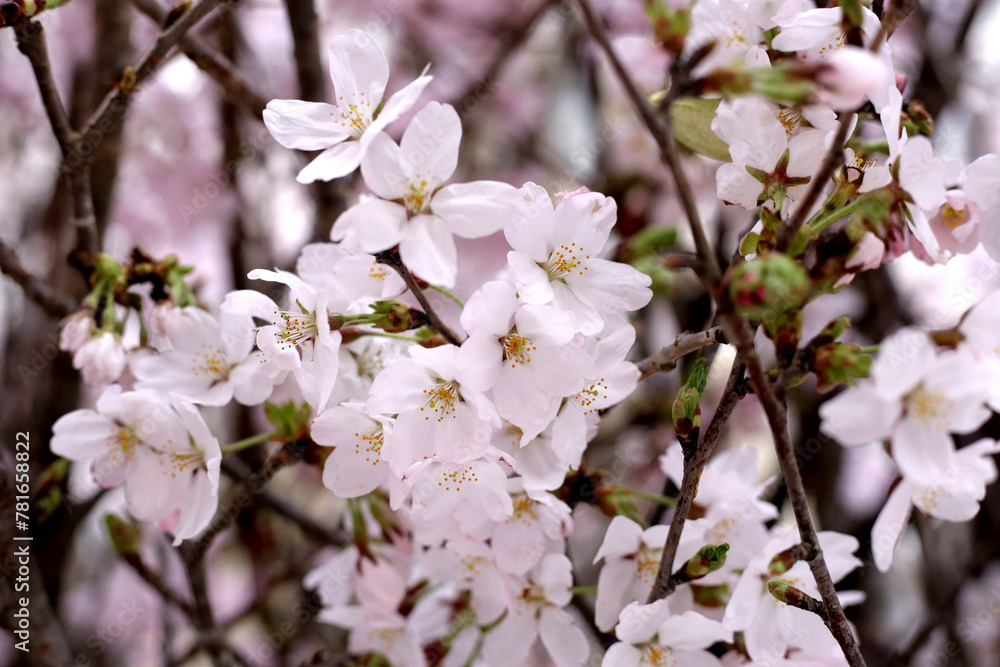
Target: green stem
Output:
{"points": [[871, 349], [655, 497], [583, 590], [471, 661], [383, 334], [448, 294], [249, 442], [821, 224]]}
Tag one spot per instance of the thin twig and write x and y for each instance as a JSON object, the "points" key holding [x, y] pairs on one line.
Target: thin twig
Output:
{"points": [[693, 467], [251, 486], [511, 41], [31, 42], [772, 400], [236, 469], [45, 295], [662, 133], [213, 63], [390, 258], [666, 359], [157, 584], [114, 105]]}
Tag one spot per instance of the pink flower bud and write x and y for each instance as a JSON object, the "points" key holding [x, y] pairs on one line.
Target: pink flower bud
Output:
{"points": [[850, 75]]}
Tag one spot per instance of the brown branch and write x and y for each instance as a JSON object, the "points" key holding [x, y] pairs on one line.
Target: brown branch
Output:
{"points": [[157, 584], [666, 359], [328, 196], [45, 295], [662, 133], [511, 40], [113, 107], [693, 467], [252, 486], [237, 470], [390, 258], [31, 42], [772, 400], [212, 63]]}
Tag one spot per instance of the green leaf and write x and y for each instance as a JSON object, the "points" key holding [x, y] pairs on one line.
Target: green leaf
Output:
{"points": [[692, 120]]}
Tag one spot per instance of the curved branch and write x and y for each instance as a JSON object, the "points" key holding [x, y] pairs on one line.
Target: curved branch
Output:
{"points": [[390, 258], [666, 359]]}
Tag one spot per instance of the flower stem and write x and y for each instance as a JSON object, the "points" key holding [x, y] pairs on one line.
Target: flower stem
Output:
{"points": [[248, 442], [461, 304], [583, 590], [823, 223], [655, 497]]}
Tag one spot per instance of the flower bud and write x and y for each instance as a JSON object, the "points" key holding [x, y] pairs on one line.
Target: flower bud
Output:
{"points": [[769, 285]]}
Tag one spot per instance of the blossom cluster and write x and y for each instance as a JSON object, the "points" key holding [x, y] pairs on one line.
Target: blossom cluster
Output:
{"points": [[453, 435]]}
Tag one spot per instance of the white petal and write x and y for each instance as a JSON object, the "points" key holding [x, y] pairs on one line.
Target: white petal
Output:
{"points": [[429, 147], [859, 416], [890, 524], [532, 281], [340, 160], [477, 209], [922, 454], [565, 642], [357, 65], [383, 168], [371, 226], [399, 103], [428, 250], [691, 630], [304, 126], [903, 359]]}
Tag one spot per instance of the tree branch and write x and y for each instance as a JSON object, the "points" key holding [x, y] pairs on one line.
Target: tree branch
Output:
{"points": [[390, 258], [663, 134], [45, 295], [772, 400], [115, 104], [212, 63], [693, 466], [666, 359]]}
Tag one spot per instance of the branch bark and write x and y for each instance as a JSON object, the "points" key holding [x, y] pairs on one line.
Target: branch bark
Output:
{"points": [[390, 258], [666, 359], [45, 295]]}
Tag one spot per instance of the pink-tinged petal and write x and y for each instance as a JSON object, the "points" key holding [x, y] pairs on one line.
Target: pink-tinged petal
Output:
{"points": [[304, 126], [384, 169], [358, 68], [400, 387], [429, 147], [922, 454], [639, 622], [147, 486], [621, 654], [859, 416], [565, 642], [443, 359], [982, 181], [532, 233], [477, 209], [696, 659], [691, 630], [989, 231], [254, 380], [83, 434], [355, 468], [480, 360], [585, 220], [518, 399], [734, 185], [491, 309], [589, 321], [611, 287], [428, 250], [622, 539], [614, 585], [890, 524], [545, 325], [399, 103], [532, 281], [839, 550], [902, 361], [509, 644], [199, 506], [371, 226], [559, 371], [334, 162]]}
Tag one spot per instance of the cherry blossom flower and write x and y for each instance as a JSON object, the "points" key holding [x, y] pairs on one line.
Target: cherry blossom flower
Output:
{"points": [[98, 354], [631, 559], [355, 466], [344, 131], [209, 363], [556, 258], [537, 526], [536, 611], [953, 496], [416, 210], [435, 414], [917, 397], [527, 354], [160, 448], [653, 635], [470, 564], [772, 629]]}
